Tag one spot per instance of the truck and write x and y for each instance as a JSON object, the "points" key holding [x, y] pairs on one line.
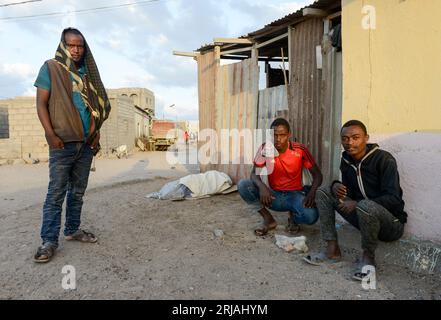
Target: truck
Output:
{"points": [[162, 135]]}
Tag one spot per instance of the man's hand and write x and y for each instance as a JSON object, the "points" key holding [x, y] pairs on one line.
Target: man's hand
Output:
{"points": [[347, 207], [309, 201], [266, 197], [339, 190], [54, 141]]}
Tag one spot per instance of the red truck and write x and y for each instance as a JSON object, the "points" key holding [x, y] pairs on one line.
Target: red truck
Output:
{"points": [[162, 134]]}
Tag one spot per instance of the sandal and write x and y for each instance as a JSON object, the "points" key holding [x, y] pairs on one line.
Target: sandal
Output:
{"points": [[82, 236], [45, 253], [263, 230], [358, 273], [317, 259]]}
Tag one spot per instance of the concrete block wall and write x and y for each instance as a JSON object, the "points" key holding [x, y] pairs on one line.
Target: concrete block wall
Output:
{"points": [[119, 128], [26, 135]]}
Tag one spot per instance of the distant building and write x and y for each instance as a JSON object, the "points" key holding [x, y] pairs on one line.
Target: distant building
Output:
{"points": [[22, 135], [141, 97]]}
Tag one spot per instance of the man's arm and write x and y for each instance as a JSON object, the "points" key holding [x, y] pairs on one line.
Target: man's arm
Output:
{"points": [[317, 179], [266, 197], [390, 185], [43, 114]]}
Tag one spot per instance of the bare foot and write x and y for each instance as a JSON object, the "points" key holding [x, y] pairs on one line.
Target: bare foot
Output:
{"points": [[333, 250], [268, 223], [292, 227], [265, 228]]}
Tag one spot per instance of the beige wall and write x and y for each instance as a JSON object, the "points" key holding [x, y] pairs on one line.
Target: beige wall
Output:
{"points": [[391, 82], [26, 135], [141, 124], [392, 75]]}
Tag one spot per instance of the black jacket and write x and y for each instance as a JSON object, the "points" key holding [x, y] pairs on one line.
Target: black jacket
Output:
{"points": [[375, 178]]}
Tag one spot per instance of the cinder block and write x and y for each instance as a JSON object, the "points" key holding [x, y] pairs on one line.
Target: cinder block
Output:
{"points": [[37, 132], [17, 128], [39, 138], [25, 133]]}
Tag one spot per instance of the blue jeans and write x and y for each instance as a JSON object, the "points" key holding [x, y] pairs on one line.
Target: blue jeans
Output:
{"points": [[68, 173], [291, 201]]}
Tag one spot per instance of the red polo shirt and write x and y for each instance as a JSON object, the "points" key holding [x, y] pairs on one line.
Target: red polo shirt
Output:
{"points": [[286, 169]]}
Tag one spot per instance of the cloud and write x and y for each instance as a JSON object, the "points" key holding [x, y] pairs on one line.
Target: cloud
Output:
{"points": [[20, 70], [16, 79], [132, 45]]}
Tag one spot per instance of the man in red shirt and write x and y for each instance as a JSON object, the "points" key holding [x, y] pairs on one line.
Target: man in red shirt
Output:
{"points": [[285, 191]]}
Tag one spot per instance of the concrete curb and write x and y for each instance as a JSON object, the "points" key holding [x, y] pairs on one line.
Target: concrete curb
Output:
{"points": [[419, 256]]}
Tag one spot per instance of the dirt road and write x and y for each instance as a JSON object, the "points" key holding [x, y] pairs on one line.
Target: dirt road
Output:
{"points": [[153, 249]]}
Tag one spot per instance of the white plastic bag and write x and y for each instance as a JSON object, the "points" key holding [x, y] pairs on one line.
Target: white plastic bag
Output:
{"points": [[290, 244]]}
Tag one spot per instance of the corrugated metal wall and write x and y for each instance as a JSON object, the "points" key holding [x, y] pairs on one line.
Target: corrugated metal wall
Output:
{"points": [[273, 103], [228, 97], [305, 112], [228, 100], [207, 71], [237, 89]]}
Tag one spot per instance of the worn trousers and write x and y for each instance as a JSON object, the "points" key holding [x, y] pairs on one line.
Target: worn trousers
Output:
{"points": [[373, 220], [68, 174]]}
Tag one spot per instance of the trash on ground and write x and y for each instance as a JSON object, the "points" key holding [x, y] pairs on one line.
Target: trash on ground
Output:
{"points": [[218, 233], [290, 244]]}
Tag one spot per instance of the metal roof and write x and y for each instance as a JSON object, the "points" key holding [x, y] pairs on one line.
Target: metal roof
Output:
{"points": [[277, 26]]}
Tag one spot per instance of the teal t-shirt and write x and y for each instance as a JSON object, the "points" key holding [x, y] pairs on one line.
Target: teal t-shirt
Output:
{"points": [[44, 82]]}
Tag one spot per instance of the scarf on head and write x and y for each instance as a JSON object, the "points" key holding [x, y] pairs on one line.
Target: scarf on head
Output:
{"points": [[92, 92]]}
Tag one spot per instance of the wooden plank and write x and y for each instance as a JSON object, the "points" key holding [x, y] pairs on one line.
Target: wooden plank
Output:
{"points": [[224, 97], [186, 54], [237, 50], [263, 44], [232, 40], [334, 15], [312, 12]]}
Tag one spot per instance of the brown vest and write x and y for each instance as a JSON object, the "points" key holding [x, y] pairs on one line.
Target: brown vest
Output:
{"points": [[64, 116]]}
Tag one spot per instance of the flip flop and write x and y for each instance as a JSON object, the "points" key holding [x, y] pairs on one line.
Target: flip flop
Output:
{"points": [[317, 259], [82, 236], [358, 273], [263, 230]]}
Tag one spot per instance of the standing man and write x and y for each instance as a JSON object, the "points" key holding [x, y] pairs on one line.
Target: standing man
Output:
{"points": [[369, 197], [186, 137], [72, 105], [286, 191]]}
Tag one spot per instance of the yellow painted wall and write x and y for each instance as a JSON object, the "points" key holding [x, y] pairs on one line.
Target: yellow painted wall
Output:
{"points": [[392, 75]]}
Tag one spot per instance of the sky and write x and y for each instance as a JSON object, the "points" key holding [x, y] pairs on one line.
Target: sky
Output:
{"points": [[132, 45]]}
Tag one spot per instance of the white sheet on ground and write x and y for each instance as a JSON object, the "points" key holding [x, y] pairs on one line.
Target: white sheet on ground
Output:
{"points": [[195, 186], [207, 183]]}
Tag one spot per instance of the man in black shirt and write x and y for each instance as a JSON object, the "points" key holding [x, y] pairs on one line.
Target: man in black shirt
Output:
{"points": [[369, 197]]}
